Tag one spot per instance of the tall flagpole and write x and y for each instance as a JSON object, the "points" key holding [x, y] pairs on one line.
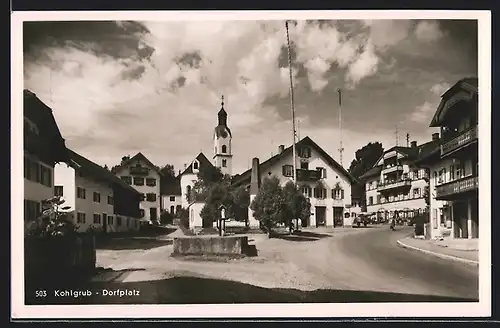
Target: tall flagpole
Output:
{"points": [[341, 148], [292, 109]]}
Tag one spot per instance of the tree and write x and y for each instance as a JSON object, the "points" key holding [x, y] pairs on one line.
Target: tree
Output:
{"points": [[269, 204], [296, 204], [366, 157], [168, 171], [216, 195], [54, 220], [240, 201], [207, 177]]}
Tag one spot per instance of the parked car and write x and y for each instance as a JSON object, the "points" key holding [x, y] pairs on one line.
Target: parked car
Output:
{"points": [[361, 219]]}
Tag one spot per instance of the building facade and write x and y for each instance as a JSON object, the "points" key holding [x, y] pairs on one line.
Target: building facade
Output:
{"points": [[89, 190], [144, 177], [321, 179], [43, 148], [171, 194], [189, 176], [397, 183], [454, 166]]}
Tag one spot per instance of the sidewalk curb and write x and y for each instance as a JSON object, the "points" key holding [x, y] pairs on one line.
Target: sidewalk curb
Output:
{"points": [[443, 256]]}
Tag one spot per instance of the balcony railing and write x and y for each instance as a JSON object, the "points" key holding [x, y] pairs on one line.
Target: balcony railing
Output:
{"points": [[459, 141], [308, 175], [392, 168], [394, 184], [139, 170], [450, 189]]}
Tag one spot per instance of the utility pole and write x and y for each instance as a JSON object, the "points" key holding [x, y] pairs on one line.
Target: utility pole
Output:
{"points": [[341, 148], [292, 108], [397, 136]]}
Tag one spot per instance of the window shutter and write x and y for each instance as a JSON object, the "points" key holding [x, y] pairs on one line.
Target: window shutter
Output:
{"points": [[284, 170], [324, 173], [342, 194], [309, 191]]}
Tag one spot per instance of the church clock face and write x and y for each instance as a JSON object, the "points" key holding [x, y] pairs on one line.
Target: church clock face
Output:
{"points": [[223, 134]]}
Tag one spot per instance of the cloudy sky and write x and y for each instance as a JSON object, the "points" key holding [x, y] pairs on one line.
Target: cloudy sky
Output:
{"points": [[118, 88]]}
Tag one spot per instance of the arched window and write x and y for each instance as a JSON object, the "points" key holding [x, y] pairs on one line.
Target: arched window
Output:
{"points": [[195, 165], [224, 149], [172, 209]]}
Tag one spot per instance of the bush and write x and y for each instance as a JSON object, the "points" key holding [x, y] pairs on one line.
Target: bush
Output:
{"points": [[166, 218], [55, 220]]}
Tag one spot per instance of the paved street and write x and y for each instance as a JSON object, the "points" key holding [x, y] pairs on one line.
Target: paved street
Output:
{"points": [[329, 265]]}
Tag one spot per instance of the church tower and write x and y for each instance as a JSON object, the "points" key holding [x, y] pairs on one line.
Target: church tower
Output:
{"points": [[222, 143]]}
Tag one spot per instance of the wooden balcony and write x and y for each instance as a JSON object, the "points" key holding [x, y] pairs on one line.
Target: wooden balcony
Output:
{"points": [[455, 188], [308, 175], [139, 170], [390, 185], [392, 168], [462, 140]]}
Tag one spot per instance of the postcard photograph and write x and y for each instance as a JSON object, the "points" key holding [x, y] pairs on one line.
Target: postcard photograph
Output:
{"points": [[325, 163]]}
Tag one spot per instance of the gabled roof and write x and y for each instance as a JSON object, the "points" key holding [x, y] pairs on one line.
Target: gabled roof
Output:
{"points": [[139, 156], [41, 115], [170, 185], [97, 171], [202, 159], [306, 141], [465, 89]]}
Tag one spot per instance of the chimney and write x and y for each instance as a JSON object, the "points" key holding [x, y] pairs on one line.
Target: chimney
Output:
{"points": [[435, 136], [413, 144], [281, 149], [255, 177]]}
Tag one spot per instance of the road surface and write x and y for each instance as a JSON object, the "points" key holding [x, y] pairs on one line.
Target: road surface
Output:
{"points": [[342, 265]]}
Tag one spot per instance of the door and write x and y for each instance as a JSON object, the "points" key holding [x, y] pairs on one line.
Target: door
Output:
{"points": [[320, 216], [338, 219], [153, 215], [105, 222], [474, 218], [460, 217]]}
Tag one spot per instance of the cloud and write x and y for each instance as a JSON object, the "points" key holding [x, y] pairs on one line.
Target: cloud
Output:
{"points": [[440, 88], [428, 31], [422, 112]]}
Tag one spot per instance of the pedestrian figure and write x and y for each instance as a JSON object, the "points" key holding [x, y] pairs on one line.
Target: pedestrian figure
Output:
{"points": [[393, 221]]}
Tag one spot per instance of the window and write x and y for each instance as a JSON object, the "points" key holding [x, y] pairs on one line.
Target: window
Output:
{"points": [[370, 200], [172, 198], [224, 163], [452, 172], [80, 193], [172, 209], [141, 211], [118, 221], [31, 210], [416, 192], [151, 182], [109, 218], [151, 197], [196, 166], [139, 181], [339, 194], [379, 199], [97, 197], [306, 191], [435, 178], [97, 218], [143, 197], [81, 217], [127, 179], [323, 172], [319, 193], [45, 176], [58, 191], [110, 200], [287, 170], [305, 152], [224, 149]]}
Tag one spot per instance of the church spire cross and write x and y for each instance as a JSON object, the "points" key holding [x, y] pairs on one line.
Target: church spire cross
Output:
{"points": [[222, 101]]}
